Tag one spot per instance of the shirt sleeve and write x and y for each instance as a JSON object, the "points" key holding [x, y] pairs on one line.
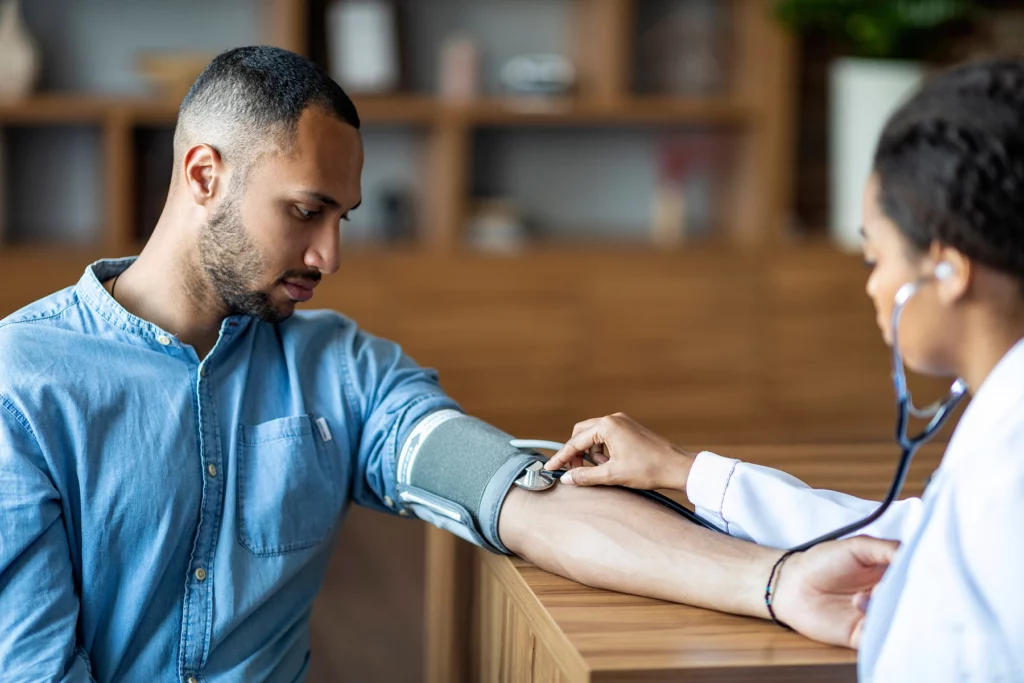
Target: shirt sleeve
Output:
{"points": [[38, 603], [392, 393], [772, 508]]}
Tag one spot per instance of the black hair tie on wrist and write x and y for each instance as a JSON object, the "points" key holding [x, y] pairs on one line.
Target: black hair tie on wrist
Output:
{"points": [[769, 595]]}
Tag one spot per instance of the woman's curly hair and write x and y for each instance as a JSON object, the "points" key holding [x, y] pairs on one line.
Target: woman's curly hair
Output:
{"points": [[950, 164]]}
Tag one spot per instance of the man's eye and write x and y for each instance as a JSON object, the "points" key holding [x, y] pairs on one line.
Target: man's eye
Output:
{"points": [[869, 264], [307, 214]]}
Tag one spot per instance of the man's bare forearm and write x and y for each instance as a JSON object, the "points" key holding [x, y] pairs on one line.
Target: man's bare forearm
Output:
{"points": [[614, 539]]}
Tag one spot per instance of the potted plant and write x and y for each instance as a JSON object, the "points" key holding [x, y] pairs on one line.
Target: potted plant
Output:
{"points": [[883, 44]]}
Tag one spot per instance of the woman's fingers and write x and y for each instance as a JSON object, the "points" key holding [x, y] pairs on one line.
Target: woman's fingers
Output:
{"points": [[577, 446], [588, 476], [586, 424], [873, 552]]}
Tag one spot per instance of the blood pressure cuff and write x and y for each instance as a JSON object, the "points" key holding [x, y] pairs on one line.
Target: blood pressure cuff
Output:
{"points": [[454, 471]]}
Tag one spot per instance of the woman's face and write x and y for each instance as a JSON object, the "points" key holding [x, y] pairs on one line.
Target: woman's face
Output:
{"points": [[894, 262]]}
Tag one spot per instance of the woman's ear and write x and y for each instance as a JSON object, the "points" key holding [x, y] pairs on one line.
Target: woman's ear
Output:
{"points": [[953, 272]]}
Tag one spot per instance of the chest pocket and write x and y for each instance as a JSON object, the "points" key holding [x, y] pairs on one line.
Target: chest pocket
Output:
{"points": [[290, 485]]}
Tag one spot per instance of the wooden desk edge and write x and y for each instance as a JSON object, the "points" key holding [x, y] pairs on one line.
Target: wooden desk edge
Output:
{"points": [[502, 569], [576, 668]]}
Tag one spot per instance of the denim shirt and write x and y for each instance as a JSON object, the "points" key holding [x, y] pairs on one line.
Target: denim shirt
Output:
{"points": [[168, 518]]}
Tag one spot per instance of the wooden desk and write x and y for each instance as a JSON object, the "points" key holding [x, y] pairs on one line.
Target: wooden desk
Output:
{"points": [[534, 627]]}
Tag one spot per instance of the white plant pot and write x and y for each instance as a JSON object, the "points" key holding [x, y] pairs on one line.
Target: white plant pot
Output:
{"points": [[863, 93]]}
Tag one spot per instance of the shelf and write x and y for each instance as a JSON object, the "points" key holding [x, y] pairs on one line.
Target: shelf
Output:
{"points": [[85, 109], [553, 111], [403, 109], [71, 108], [640, 110]]}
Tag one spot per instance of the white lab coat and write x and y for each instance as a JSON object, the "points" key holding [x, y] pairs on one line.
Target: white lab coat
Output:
{"points": [[951, 606]]}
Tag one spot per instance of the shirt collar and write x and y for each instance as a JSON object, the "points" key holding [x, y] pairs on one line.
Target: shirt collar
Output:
{"points": [[995, 406], [91, 290]]}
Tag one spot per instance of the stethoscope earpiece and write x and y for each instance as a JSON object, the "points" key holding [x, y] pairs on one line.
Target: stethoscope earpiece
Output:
{"points": [[944, 270]]}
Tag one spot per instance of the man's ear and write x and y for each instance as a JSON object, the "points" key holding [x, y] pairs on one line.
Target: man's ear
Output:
{"points": [[204, 173], [953, 271]]}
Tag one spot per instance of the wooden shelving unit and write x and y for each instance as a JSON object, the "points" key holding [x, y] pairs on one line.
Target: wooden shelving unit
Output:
{"points": [[756, 112]]}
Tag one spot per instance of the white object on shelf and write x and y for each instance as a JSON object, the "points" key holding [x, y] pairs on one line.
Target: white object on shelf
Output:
{"points": [[496, 227], [363, 45], [863, 93], [545, 74], [19, 56], [460, 69], [668, 218]]}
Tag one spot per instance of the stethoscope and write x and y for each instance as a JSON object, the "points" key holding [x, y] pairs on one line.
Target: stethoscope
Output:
{"points": [[936, 413], [535, 478]]}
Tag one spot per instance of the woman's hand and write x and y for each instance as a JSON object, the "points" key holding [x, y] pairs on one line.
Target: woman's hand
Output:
{"points": [[625, 454], [823, 593]]}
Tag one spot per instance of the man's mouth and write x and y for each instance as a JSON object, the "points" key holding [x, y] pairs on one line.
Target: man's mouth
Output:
{"points": [[300, 289]]}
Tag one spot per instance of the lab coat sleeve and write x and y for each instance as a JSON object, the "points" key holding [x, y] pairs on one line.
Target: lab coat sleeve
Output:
{"points": [[988, 511], [772, 508]]}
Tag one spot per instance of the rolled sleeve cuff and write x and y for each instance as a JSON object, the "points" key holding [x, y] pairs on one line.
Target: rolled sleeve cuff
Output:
{"points": [[708, 484]]}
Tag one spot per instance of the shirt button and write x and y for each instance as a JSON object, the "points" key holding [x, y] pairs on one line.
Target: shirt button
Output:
{"points": [[203, 373], [212, 469], [403, 512], [164, 340], [200, 574], [191, 679], [387, 501]]}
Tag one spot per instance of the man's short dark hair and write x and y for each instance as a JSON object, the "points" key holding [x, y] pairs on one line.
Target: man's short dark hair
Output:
{"points": [[248, 101]]}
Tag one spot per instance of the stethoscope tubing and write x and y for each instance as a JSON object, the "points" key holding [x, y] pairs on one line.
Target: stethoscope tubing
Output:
{"points": [[938, 413]]}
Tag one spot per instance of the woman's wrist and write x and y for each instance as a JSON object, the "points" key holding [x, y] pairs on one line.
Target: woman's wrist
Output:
{"points": [[682, 463], [771, 592]]}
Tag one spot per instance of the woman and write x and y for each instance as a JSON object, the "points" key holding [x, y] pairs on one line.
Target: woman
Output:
{"points": [[947, 193]]}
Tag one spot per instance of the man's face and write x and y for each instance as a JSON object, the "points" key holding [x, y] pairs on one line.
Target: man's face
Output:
{"points": [[267, 244]]}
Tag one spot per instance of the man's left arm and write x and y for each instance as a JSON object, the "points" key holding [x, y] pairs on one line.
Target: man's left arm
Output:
{"points": [[456, 472], [390, 394]]}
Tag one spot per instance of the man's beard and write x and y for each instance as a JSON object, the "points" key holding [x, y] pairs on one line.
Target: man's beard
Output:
{"points": [[232, 261]]}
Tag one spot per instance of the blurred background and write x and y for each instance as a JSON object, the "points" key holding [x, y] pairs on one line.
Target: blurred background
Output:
{"points": [[571, 208]]}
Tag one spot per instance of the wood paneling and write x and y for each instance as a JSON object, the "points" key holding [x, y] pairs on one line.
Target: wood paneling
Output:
{"points": [[367, 622], [517, 640], [707, 346]]}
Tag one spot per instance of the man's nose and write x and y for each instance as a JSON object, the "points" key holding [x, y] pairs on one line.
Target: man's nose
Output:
{"points": [[325, 253]]}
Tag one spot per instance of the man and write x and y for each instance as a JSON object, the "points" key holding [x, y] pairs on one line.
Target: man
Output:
{"points": [[177, 445]]}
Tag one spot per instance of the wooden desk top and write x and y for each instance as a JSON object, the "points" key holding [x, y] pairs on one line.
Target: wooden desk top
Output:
{"points": [[617, 637], [605, 636]]}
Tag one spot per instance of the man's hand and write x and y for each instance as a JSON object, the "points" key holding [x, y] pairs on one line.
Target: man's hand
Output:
{"points": [[823, 593], [626, 454]]}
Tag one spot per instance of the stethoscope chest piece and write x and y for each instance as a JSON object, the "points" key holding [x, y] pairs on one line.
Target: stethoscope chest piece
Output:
{"points": [[535, 478]]}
